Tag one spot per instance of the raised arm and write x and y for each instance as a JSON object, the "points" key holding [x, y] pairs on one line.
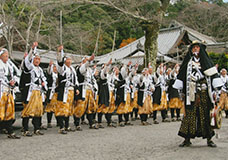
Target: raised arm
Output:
{"points": [[85, 64], [105, 70], [28, 59]]}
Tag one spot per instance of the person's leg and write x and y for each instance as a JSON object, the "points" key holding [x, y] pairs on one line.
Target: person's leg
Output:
{"points": [[126, 117], [120, 119], [164, 116], [67, 127], [90, 118], [226, 113], [25, 121], [155, 117], [100, 120], [9, 128], [185, 143], [172, 110], [49, 118], [141, 118], [60, 120], [77, 123], [178, 114], [146, 117], [172, 113], [36, 121], [210, 143], [99, 117]]}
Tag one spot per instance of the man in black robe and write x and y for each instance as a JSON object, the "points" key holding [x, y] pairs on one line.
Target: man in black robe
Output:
{"points": [[198, 79]]}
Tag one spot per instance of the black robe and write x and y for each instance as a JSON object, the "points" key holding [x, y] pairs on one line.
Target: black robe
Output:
{"points": [[103, 92], [140, 94], [172, 92], [196, 123], [61, 85], [119, 90], [25, 79], [157, 93], [49, 84], [81, 80]]}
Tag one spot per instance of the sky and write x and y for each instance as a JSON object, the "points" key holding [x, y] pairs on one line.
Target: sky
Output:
{"points": [[225, 0]]}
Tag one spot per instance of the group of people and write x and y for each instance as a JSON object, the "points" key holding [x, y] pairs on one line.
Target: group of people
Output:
{"points": [[86, 91]]}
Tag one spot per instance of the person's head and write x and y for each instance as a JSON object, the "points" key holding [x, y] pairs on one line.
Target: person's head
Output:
{"points": [[168, 71], [55, 69], [4, 55], [150, 70], [196, 50], [223, 72], [68, 61], [36, 60], [84, 60], [117, 71], [96, 73], [145, 71], [177, 66]]}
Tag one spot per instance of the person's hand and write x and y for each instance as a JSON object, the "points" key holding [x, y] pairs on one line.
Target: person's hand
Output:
{"points": [[215, 96], [60, 48], [91, 58], [77, 92], [43, 84], [51, 63], [129, 63], [12, 83], [35, 44], [110, 61], [164, 68], [136, 65], [149, 64], [25, 54]]}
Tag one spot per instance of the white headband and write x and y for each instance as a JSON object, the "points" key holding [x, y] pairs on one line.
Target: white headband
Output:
{"points": [[3, 51]]}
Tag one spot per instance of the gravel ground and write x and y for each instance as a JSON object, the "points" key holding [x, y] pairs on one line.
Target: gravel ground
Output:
{"points": [[136, 142]]}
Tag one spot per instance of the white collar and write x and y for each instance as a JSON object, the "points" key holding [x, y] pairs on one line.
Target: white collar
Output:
{"points": [[196, 59]]}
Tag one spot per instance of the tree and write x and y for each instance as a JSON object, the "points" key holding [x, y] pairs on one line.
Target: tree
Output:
{"points": [[220, 59], [149, 13], [126, 42], [209, 19], [17, 17]]}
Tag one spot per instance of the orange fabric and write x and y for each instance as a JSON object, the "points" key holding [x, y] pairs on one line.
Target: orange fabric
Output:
{"points": [[35, 106], [176, 103], [52, 105], [112, 106], [88, 104], [65, 109], [102, 109], [163, 105], [147, 107], [223, 101], [123, 107], [7, 110], [134, 103]]}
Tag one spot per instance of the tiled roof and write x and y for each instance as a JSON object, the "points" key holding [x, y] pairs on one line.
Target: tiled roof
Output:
{"points": [[46, 56], [166, 39]]}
